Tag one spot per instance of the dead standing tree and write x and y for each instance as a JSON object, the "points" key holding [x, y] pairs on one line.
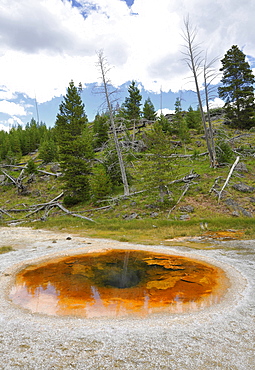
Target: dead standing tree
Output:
{"points": [[103, 66], [194, 61]]}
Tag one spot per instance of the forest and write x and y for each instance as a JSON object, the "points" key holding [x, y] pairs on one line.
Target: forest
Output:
{"points": [[131, 165]]}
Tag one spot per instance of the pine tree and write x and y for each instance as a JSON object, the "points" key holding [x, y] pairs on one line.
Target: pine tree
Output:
{"points": [[179, 123], [163, 124], [5, 145], [157, 168], [149, 112], [131, 106], [75, 146], [48, 150], [33, 135], [100, 129], [100, 183], [237, 89], [193, 119], [15, 144]]}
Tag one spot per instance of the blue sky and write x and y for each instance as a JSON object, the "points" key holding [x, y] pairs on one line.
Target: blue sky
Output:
{"points": [[46, 43]]}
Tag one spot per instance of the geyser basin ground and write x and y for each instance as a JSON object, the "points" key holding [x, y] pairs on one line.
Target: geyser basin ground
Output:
{"points": [[117, 283], [221, 336]]}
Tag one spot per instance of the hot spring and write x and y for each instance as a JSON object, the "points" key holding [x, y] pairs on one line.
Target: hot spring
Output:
{"points": [[118, 283]]}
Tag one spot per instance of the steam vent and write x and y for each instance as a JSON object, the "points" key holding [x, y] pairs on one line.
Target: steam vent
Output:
{"points": [[118, 283]]}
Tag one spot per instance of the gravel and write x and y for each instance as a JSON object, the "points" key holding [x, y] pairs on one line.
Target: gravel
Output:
{"points": [[219, 337]]}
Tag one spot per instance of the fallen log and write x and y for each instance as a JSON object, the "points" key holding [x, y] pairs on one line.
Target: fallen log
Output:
{"points": [[177, 155], [73, 214], [215, 184], [180, 198], [17, 182], [5, 212], [229, 175], [42, 206]]}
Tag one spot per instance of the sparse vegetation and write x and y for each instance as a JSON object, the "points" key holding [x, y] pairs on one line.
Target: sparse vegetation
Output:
{"points": [[172, 188], [143, 216]]}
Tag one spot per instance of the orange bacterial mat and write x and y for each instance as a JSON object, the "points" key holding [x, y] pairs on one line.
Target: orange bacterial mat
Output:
{"points": [[118, 283]]}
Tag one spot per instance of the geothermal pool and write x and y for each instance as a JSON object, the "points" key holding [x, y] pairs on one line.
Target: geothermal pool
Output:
{"points": [[118, 283], [217, 336]]}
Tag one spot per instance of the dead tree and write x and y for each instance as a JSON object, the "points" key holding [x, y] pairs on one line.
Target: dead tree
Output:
{"points": [[102, 63], [209, 76], [46, 207], [194, 61], [229, 175], [17, 182]]}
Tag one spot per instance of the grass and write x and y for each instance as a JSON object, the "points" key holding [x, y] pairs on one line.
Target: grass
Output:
{"points": [[147, 231], [153, 223]]}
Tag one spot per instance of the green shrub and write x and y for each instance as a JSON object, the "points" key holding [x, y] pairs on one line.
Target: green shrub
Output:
{"points": [[31, 167], [100, 183], [71, 200], [224, 151]]}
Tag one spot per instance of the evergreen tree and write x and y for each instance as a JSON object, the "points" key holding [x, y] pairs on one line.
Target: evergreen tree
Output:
{"points": [[237, 89], [15, 145], [5, 145], [224, 151], [100, 129], [31, 167], [179, 123], [75, 146], [149, 112], [100, 183], [48, 151], [193, 119], [24, 141], [164, 124], [157, 168], [131, 106], [33, 135], [111, 164]]}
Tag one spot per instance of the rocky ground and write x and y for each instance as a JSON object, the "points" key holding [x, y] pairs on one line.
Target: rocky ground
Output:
{"points": [[219, 337]]}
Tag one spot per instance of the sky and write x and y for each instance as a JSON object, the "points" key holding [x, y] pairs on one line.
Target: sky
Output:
{"points": [[44, 44]]}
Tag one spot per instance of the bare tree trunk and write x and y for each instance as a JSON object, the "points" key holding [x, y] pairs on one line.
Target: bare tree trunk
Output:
{"points": [[211, 136], [229, 175], [193, 60], [102, 66]]}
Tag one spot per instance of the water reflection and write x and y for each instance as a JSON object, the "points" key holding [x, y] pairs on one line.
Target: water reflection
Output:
{"points": [[118, 283]]}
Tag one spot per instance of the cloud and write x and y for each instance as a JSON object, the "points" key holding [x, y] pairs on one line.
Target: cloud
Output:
{"points": [[33, 26], [12, 108], [165, 111], [46, 43], [6, 124], [216, 103], [6, 94], [3, 127], [14, 121]]}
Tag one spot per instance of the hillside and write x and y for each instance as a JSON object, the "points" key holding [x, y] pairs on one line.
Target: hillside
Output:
{"points": [[187, 193]]}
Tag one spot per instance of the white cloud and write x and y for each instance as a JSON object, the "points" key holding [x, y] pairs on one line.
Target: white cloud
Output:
{"points": [[11, 108], [14, 121], [6, 94], [46, 43], [3, 127], [216, 103], [164, 111]]}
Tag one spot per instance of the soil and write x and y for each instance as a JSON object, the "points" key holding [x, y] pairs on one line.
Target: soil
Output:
{"points": [[219, 337]]}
